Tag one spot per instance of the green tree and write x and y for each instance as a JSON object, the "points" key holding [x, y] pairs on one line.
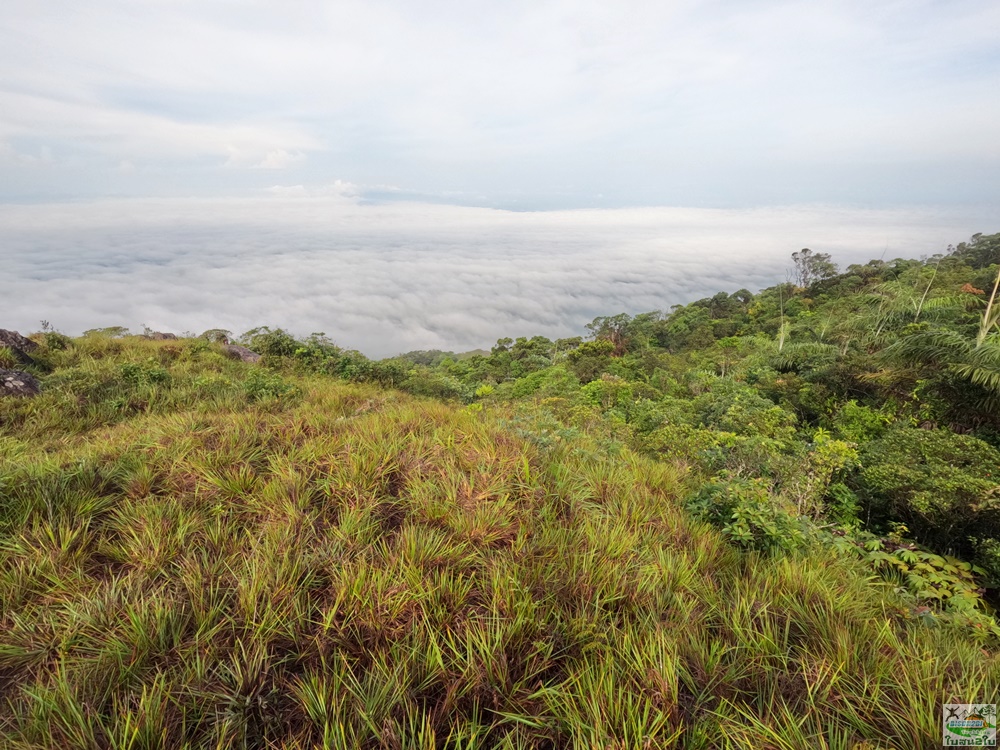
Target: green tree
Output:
{"points": [[613, 328], [981, 251], [811, 267]]}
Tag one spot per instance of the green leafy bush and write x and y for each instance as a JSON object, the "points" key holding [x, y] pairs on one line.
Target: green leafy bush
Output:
{"points": [[808, 483], [947, 583], [608, 392], [217, 335], [262, 385], [55, 341], [987, 556], [750, 515], [551, 382], [859, 423], [842, 504], [270, 343], [733, 407], [422, 381], [683, 443], [945, 487], [754, 437], [590, 359]]}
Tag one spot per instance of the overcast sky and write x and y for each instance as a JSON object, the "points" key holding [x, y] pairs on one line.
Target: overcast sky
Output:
{"points": [[525, 104], [407, 175]]}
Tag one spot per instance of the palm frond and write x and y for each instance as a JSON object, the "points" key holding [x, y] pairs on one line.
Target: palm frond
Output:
{"points": [[951, 302], [983, 366], [795, 355], [938, 347]]}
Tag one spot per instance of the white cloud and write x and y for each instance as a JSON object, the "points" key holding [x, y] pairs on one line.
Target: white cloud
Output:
{"points": [[117, 131], [279, 159], [388, 278], [289, 191], [9, 153]]}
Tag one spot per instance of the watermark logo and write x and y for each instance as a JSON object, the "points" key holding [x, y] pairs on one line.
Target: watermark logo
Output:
{"points": [[970, 725]]}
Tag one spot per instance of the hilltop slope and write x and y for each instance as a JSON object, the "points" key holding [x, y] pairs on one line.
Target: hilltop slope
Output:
{"points": [[196, 552]]}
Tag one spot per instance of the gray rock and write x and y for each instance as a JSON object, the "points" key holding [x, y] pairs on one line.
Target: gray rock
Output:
{"points": [[17, 383], [240, 352], [18, 344], [159, 336]]}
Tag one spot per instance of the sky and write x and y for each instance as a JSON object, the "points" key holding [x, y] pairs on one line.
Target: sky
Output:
{"points": [[416, 175], [518, 104]]}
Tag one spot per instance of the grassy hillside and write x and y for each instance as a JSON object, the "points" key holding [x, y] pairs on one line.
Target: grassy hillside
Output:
{"points": [[195, 552]]}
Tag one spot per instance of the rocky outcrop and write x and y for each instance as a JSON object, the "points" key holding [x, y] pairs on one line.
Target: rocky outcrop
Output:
{"points": [[14, 340], [18, 344], [159, 336], [241, 352], [17, 383]]}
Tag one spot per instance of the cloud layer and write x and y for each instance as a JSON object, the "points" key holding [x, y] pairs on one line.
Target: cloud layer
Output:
{"points": [[390, 278]]}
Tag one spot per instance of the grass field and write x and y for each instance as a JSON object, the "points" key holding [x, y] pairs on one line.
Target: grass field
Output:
{"points": [[200, 553]]}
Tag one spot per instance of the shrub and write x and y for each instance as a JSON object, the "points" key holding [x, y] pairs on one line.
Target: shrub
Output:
{"points": [[217, 335], [55, 341], [424, 382], [859, 423], [826, 459], [609, 392], [987, 556], [111, 332], [736, 408], [679, 441], [389, 373], [590, 359], [270, 343], [318, 353], [647, 415], [947, 582], [842, 504], [945, 487], [262, 385], [548, 383], [749, 515]]}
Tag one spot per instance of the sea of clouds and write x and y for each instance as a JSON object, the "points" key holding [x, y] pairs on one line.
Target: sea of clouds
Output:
{"points": [[391, 277]]}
